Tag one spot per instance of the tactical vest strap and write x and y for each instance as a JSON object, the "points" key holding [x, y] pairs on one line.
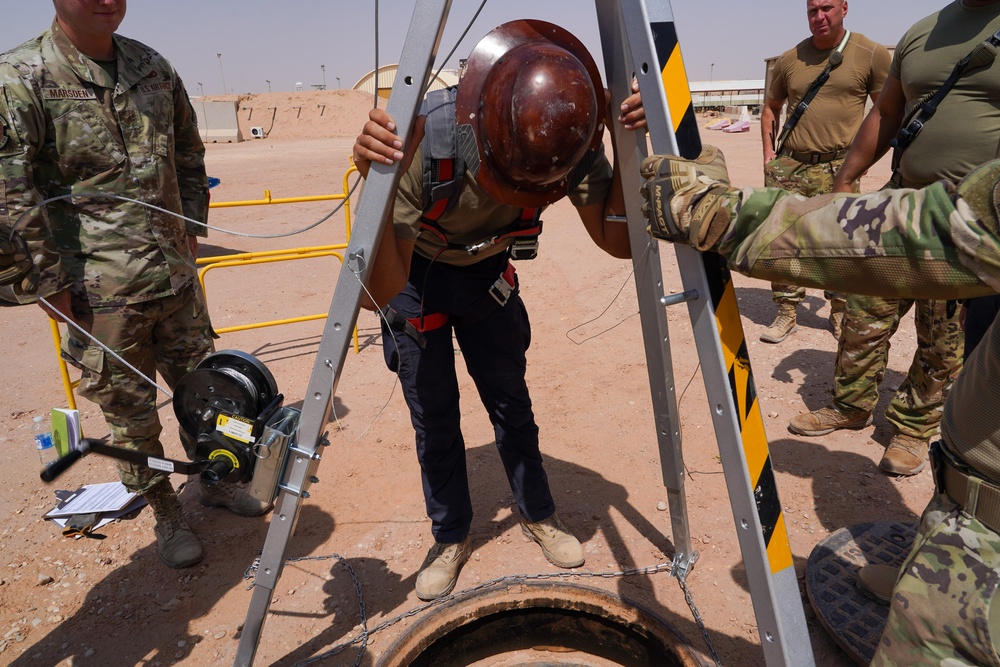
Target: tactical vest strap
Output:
{"points": [[444, 169]]}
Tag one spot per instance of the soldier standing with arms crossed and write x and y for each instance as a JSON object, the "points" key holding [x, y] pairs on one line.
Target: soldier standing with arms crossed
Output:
{"points": [[813, 144]]}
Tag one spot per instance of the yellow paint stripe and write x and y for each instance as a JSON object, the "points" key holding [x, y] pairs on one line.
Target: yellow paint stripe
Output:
{"points": [[779, 551], [754, 439], [727, 316], [676, 86]]}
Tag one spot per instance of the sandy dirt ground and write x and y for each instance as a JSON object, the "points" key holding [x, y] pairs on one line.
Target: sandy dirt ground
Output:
{"points": [[112, 602]]}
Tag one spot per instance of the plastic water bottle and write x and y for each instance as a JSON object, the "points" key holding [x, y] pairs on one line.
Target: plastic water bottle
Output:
{"points": [[43, 442]]}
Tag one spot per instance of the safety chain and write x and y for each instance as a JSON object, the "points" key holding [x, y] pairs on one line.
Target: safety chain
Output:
{"points": [[362, 638], [682, 580]]}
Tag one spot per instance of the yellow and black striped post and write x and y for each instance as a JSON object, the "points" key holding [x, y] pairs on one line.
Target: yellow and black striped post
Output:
{"points": [[648, 36], [727, 316]]}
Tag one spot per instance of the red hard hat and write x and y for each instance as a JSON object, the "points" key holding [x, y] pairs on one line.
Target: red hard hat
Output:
{"points": [[533, 97]]}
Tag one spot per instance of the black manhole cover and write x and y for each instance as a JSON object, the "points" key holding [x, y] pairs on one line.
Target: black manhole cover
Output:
{"points": [[854, 620]]}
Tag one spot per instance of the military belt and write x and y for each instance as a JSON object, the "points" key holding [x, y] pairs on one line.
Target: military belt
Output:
{"points": [[813, 158], [973, 494]]}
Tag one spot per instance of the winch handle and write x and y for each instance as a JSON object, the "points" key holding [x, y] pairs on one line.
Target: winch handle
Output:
{"points": [[62, 464]]}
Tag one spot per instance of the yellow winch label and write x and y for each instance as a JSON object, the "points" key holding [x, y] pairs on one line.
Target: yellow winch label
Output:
{"points": [[237, 428]]}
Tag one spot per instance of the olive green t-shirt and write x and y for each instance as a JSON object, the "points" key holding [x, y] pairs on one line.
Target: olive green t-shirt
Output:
{"points": [[965, 130], [835, 114], [476, 216]]}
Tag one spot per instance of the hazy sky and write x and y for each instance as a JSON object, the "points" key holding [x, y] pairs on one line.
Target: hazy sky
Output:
{"points": [[287, 41]]}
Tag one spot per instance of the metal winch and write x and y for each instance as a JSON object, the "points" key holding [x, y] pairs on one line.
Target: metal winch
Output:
{"points": [[233, 426]]}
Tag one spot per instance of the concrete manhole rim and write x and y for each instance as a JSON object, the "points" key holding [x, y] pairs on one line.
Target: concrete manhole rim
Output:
{"points": [[596, 605]]}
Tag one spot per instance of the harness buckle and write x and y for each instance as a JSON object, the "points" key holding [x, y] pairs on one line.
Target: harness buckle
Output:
{"points": [[526, 248], [503, 287], [398, 322]]}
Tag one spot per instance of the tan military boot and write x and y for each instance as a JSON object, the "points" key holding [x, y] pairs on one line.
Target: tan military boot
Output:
{"points": [[439, 573], [178, 545], [557, 543], [877, 581], [233, 497], [905, 455], [782, 326], [827, 420]]}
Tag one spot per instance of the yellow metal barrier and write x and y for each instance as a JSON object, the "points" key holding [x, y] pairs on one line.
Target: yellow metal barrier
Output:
{"points": [[247, 259], [68, 385]]}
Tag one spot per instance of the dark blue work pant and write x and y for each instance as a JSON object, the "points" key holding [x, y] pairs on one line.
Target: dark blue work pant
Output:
{"points": [[494, 351]]}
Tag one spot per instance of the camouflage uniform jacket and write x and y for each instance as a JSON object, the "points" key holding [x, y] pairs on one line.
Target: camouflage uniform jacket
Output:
{"points": [[941, 242], [65, 128]]}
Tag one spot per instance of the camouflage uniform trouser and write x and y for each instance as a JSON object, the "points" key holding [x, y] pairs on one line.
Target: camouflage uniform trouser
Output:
{"points": [[170, 335], [808, 180], [941, 611], [869, 323]]}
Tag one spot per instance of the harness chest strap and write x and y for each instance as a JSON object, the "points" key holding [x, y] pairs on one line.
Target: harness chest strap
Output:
{"points": [[527, 226]]}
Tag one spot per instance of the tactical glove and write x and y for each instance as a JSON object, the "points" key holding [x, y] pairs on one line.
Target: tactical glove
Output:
{"points": [[686, 199], [16, 267]]}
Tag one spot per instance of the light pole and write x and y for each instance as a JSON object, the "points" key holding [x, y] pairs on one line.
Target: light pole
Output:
{"points": [[338, 82], [268, 85], [323, 67], [201, 89], [221, 71], [711, 73]]}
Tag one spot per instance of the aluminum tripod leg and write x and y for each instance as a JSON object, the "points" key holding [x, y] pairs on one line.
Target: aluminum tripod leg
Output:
{"points": [[419, 51], [649, 289], [648, 30]]}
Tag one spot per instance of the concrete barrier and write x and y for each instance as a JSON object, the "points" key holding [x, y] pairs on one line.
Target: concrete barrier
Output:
{"points": [[217, 121]]}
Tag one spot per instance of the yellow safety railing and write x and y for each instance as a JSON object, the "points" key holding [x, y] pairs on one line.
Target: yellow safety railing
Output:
{"points": [[68, 385], [248, 259]]}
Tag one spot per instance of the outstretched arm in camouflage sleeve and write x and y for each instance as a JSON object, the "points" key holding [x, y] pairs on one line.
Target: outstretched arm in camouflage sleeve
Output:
{"points": [[940, 242]]}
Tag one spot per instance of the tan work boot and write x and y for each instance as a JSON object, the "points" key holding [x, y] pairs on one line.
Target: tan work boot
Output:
{"points": [[557, 543], [837, 318], [905, 455], [827, 420], [178, 545], [233, 497], [877, 581], [782, 326], [439, 573]]}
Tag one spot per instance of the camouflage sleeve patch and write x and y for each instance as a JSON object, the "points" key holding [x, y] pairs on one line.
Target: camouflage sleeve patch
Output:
{"points": [[10, 142]]}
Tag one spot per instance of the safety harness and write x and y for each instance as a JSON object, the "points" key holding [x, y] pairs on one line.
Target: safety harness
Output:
{"points": [[449, 150], [496, 296]]}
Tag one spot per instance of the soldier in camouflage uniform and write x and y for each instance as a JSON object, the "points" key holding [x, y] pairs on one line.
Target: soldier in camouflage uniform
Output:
{"points": [[962, 134], [810, 155], [941, 242], [83, 110]]}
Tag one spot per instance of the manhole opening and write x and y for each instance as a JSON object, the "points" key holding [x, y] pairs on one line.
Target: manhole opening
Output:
{"points": [[554, 625]]}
